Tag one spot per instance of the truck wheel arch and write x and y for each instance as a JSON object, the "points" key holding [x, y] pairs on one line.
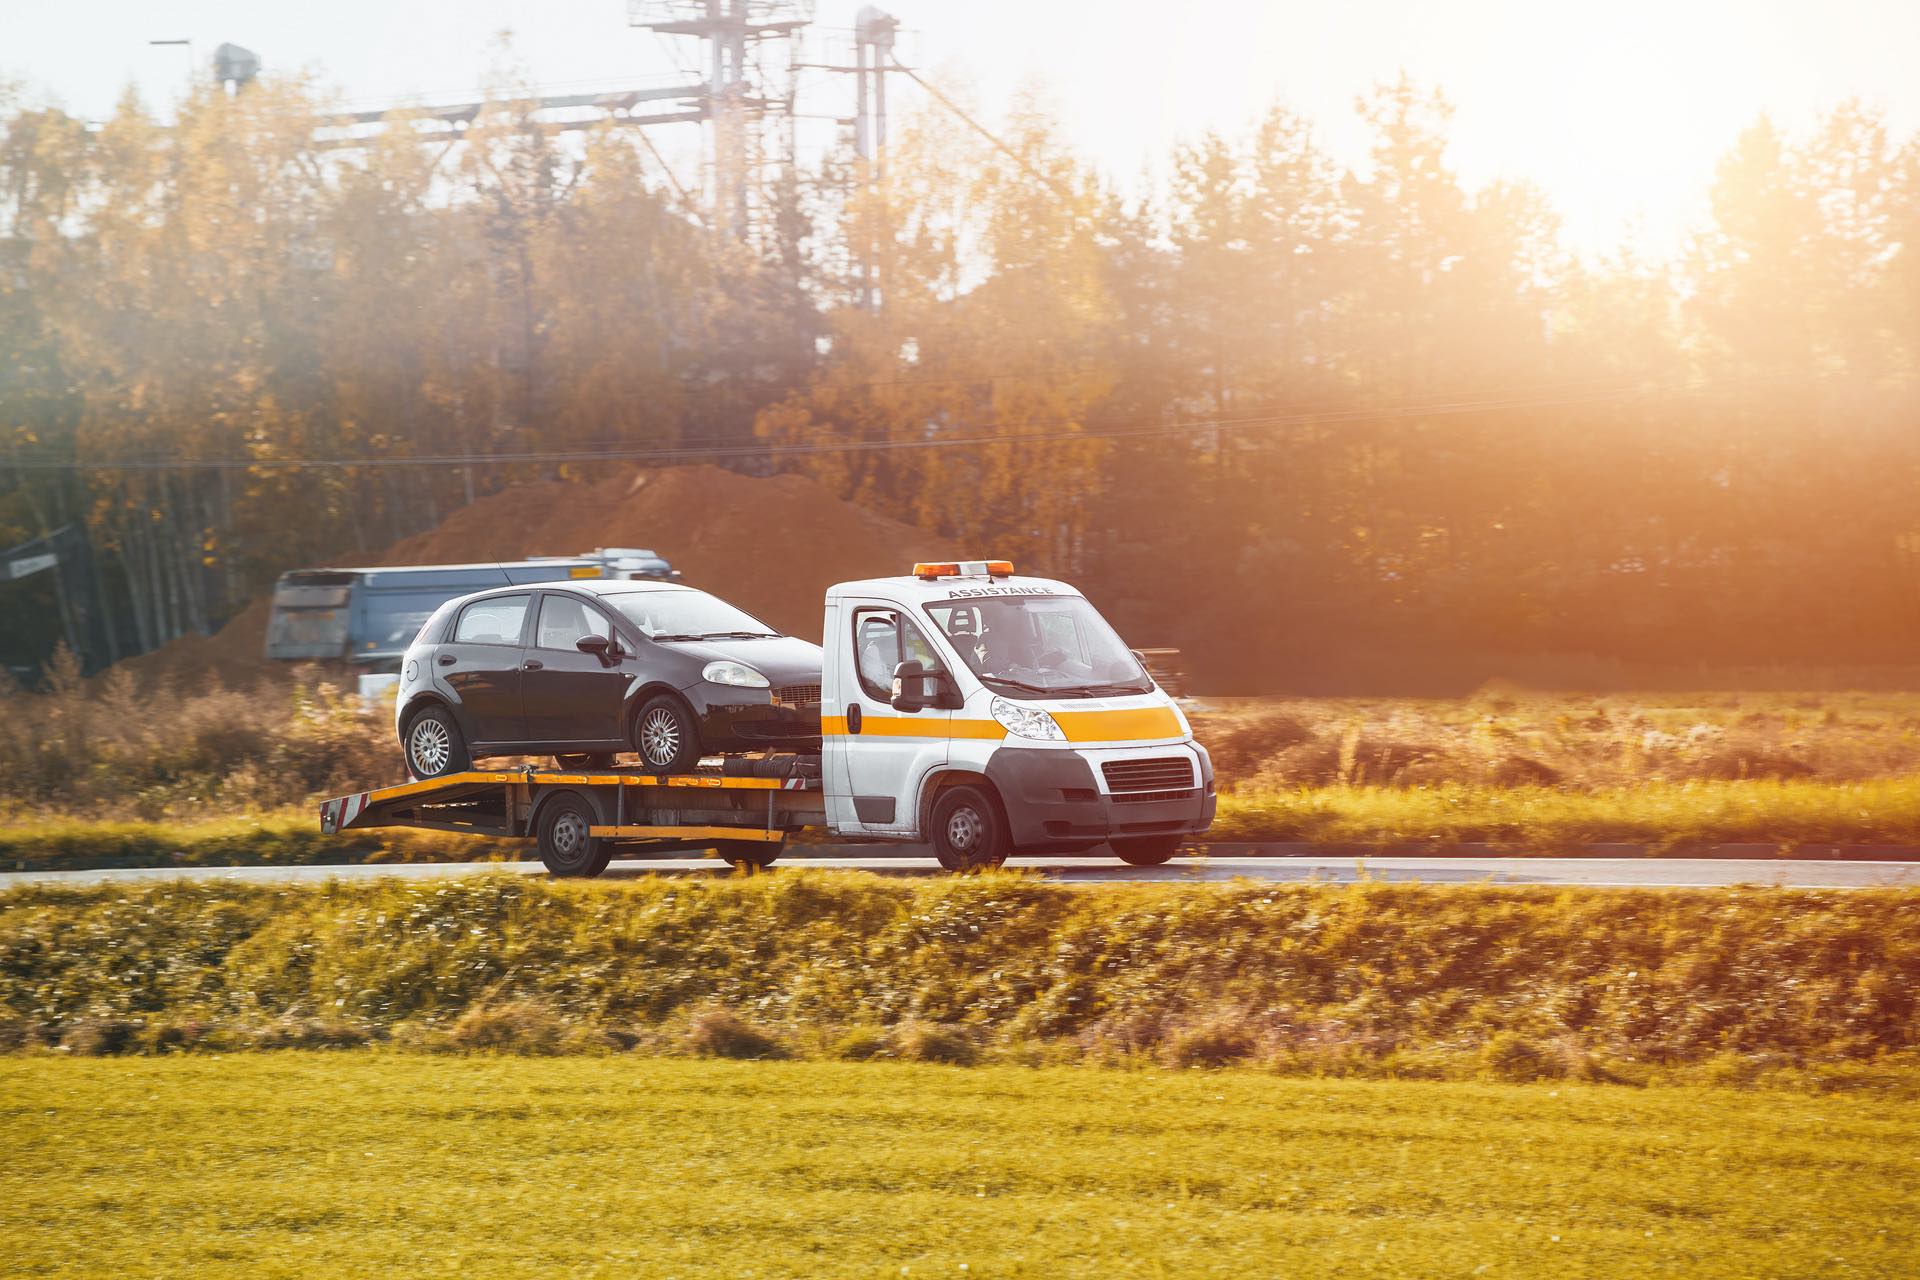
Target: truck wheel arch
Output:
{"points": [[942, 779]]}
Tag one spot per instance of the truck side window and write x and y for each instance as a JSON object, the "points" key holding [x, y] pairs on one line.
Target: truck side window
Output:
{"points": [[882, 640], [563, 620], [497, 621]]}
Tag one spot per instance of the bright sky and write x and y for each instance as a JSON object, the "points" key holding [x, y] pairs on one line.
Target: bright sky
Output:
{"points": [[1618, 110]]}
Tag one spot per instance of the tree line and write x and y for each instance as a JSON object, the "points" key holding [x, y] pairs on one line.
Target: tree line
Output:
{"points": [[1321, 427]]}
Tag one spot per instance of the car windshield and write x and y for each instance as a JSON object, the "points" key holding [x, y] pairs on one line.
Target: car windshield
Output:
{"points": [[1040, 646], [687, 615]]}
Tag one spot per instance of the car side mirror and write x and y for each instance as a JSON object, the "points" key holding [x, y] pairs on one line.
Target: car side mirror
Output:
{"points": [[601, 647], [914, 687]]}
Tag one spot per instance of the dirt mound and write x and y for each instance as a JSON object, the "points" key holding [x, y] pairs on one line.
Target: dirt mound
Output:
{"points": [[771, 546], [235, 654]]}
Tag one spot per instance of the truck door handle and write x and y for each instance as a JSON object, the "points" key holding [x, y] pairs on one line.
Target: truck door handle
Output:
{"points": [[531, 664], [853, 717], [447, 659]]}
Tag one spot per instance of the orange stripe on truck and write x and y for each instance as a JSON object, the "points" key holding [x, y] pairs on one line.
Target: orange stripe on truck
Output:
{"points": [[911, 727], [1137, 725], [1119, 726]]}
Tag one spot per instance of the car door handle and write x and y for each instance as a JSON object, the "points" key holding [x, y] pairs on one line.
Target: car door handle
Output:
{"points": [[532, 664], [447, 659]]}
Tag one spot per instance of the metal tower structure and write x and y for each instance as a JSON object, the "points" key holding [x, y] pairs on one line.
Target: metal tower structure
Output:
{"points": [[750, 50]]}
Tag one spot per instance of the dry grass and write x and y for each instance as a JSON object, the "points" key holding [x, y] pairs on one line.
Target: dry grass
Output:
{"points": [[99, 775], [111, 749], [1502, 738]]}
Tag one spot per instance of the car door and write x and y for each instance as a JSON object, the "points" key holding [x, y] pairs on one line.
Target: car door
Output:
{"points": [[570, 698], [886, 752], [480, 664]]}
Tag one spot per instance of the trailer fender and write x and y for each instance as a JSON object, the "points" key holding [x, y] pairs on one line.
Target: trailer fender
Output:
{"points": [[595, 801]]}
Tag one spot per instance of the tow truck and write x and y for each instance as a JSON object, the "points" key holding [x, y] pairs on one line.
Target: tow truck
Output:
{"points": [[979, 712]]}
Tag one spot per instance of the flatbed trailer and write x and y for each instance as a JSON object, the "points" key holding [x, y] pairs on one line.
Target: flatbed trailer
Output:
{"points": [[578, 820]]}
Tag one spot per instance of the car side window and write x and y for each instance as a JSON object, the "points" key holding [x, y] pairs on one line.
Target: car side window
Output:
{"points": [[882, 640], [563, 620], [497, 621]]}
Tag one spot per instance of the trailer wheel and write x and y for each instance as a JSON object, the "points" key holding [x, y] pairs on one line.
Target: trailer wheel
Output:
{"points": [[1145, 851], [433, 745], [969, 834], [748, 856], [565, 842], [665, 735]]}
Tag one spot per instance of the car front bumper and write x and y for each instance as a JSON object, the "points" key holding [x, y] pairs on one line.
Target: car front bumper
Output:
{"points": [[731, 719]]}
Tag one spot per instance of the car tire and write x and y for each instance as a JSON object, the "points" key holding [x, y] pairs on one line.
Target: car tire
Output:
{"points": [[585, 760], [1145, 851], [566, 847], [968, 831], [434, 746], [748, 856], [665, 735]]}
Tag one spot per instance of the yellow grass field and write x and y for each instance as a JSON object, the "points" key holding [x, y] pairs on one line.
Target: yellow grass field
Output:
{"points": [[366, 1163]]}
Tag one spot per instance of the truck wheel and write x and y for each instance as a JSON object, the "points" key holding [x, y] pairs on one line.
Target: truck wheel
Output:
{"points": [[565, 842], [665, 735], [748, 856], [433, 745], [969, 834], [1146, 851], [585, 760]]}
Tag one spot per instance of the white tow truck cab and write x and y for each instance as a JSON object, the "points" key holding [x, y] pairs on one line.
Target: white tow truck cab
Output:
{"points": [[985, 713], [980, 712]]}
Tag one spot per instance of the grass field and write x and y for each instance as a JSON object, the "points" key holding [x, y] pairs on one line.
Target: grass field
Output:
{"points": [[358, 1163]]}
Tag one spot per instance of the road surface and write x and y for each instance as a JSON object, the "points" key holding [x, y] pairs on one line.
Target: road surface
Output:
{"points": [[1328, 868]]}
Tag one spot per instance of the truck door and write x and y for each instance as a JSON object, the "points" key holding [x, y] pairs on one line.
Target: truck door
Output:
{"points": [[878, 755]]}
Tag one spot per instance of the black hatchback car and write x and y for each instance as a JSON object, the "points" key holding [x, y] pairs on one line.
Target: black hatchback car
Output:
{"points": [[584, 670]]}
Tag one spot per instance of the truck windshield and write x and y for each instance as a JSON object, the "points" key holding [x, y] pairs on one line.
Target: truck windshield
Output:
{"points": [[1040, 646], [687, 615]]}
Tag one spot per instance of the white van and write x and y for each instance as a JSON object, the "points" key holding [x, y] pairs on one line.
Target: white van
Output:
{"points": [[987, 713]]}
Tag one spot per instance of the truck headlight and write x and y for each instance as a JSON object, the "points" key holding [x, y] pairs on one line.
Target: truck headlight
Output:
{"points": [[734, 673], [1027, 722]]}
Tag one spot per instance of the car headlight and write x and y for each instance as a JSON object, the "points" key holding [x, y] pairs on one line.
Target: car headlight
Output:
{"points": [[1027, 722], [735, 673]]}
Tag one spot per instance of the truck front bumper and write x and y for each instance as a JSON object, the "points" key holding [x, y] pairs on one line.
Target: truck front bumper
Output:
{"points": [[1054, 801]]}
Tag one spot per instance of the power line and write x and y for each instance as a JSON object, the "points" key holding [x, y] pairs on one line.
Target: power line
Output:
{"points": [[1057, 433]]}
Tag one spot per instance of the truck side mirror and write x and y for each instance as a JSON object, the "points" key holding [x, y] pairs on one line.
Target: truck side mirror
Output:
{"points": [[912, 687]]}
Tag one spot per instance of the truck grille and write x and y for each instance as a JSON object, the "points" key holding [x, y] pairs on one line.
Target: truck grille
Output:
{"points": [[1163, 773], [797, 695]]}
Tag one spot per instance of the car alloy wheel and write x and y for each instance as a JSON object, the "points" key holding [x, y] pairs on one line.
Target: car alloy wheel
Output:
{"points": [[428, 746], [660, 737]]}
